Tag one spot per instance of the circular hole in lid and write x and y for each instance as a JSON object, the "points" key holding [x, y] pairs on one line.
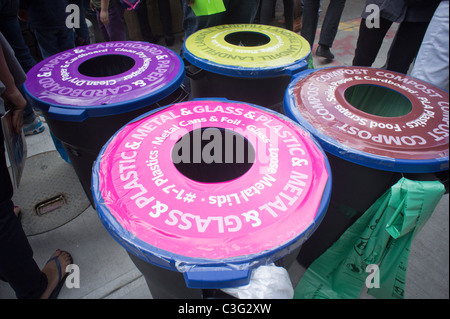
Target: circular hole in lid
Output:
{"points": [[213, 155], [378, 100], [106, 65], [247, 38]]}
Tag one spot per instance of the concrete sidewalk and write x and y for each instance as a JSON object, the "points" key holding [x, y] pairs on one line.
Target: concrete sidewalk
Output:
{"points": [[107, 272]]}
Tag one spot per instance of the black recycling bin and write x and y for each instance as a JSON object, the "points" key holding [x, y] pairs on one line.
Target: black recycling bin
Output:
{"points": [[191, 233]]}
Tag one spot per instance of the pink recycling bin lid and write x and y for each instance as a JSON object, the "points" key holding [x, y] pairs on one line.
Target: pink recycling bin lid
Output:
{"points": [[214, 232]]}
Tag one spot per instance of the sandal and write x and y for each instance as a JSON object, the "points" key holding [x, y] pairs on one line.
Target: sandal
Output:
{"points": [[61, 280]]}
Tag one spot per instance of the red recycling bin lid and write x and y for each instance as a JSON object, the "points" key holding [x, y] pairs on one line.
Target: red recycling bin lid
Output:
{"points": [[412, 140]]}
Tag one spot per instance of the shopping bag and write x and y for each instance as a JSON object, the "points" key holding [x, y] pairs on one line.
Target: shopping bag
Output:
{"points": [[208, 7], [266, 282], [376, 246]]}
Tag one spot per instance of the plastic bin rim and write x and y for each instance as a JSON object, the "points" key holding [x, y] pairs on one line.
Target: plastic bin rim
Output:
{"points": [[244, 72]]}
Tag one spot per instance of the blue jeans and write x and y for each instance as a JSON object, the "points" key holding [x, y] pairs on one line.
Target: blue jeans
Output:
{"points": [[53, 40], [10, 27], [11, 30], [330, 23]]}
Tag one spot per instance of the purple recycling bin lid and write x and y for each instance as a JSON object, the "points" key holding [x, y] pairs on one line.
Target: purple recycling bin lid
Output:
{"points": [[103, 79]]}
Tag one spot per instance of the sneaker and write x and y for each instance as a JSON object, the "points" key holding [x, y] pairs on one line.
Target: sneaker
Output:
{"points": [[37, 112], [34, 127]]}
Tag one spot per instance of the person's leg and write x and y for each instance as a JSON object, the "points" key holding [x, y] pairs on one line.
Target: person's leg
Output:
{"points": [[298, 8], [310, 20], [47, 39], [329, 28], [17, 266], [116, 26], [192, 23], [241, 11], [405, 46], [369, 42], [166, 20], [432, 61], [11, 30], [102, 27], [82, 33], [66, 39], [189, 20], [31, 123], [289, 14], [53, 40], [331, 22], [144, 24], [266, 11]]}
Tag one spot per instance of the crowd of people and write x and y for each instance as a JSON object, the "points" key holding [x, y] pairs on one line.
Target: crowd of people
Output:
{"points": [[48, 21], [416, 38]]}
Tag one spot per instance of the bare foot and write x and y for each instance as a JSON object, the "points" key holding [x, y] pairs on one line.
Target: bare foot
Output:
{"points": [[51, 271]]}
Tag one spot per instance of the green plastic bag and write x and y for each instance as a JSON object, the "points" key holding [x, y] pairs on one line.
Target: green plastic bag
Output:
{"points": [[208, 7], [382, 237]]}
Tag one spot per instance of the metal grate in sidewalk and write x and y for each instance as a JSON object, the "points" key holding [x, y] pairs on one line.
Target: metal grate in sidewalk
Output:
{"points": [[50, 194]]}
